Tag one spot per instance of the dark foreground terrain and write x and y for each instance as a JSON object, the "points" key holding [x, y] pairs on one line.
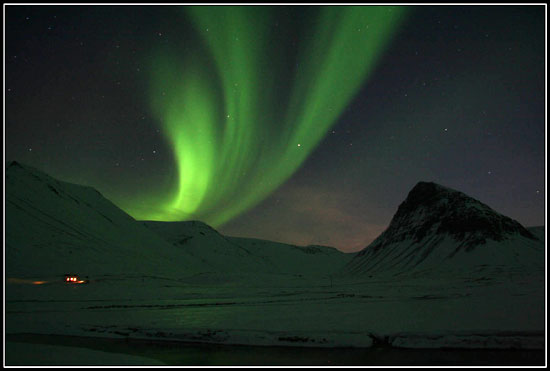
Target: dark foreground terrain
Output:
{"points": [[180, 353]]}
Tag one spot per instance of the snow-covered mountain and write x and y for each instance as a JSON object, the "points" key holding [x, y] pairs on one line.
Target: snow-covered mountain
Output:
{"points": [[438, 228], [55, 227], [184, 281]]}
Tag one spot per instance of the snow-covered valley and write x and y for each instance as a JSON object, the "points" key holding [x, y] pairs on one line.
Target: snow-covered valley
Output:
{"points": [[184, 281]]}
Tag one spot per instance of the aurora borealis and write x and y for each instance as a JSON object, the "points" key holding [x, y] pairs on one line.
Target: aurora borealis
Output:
{"points": [[300, 124], [234, 147]]}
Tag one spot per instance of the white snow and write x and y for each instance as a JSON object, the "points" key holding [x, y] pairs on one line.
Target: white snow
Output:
{"points": [[253, 311], [26, 354], [187, 282], [57, 227]]}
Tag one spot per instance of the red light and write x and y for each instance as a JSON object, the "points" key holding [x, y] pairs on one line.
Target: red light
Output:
{"points": [[74, 279]]}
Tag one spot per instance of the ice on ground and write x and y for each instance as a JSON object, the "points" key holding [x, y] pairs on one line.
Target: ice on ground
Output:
{"points": [[27, 354]]}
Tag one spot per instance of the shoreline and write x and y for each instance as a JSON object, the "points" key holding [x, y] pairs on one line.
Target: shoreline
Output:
{"points": [[173, 352]]}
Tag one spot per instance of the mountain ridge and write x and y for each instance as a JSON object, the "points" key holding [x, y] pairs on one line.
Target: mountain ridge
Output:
{"points": [[61, 222], [433, 216], [452, 212], [53, 227]]}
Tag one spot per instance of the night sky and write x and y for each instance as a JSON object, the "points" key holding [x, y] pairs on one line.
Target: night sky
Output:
{"points": [[305, 125]]}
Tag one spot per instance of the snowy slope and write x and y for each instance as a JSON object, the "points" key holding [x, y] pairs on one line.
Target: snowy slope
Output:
{"points": [[54, 227], [248, 255], [437, 228], [297, 260], [215, 251]]}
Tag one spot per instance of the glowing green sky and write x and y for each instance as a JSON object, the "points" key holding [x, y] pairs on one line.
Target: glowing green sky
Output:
{"points": [[133, 101], [236, 130]]}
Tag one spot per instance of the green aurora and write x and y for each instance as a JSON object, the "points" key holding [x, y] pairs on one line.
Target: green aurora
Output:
{"points": [[242, 113]]}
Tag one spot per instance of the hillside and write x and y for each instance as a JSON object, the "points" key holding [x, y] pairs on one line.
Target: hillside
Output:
{"points": [[55, 227], [438, 228]]}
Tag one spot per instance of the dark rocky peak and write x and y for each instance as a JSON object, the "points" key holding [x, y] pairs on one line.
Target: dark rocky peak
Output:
{"points": [[434, 211]]}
